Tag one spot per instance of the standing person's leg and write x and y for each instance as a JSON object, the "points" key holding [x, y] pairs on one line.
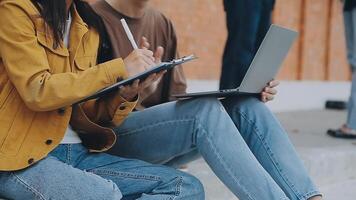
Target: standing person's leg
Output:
{"points": [[265, 21], [350, 35], [351, 117], [136, 179], [50, 178], [242, 18], [270, 144], [163, 132], [348, 130]]}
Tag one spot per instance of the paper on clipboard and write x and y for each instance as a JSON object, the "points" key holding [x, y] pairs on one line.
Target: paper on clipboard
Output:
{"points": [[141, 76]]}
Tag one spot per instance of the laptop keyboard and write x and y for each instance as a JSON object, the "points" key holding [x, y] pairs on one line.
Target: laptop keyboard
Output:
{"points": [[229, 90]]}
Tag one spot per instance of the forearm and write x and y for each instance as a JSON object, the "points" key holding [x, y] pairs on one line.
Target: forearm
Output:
{"points": [[45, 91]]}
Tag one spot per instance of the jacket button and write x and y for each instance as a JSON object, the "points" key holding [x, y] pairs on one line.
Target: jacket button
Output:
{"points": [[61, 111], [122, 107], [31, 160], [49, 142]]}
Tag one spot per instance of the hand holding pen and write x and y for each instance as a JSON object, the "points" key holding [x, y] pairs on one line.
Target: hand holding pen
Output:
{"points": [[138, 61]]}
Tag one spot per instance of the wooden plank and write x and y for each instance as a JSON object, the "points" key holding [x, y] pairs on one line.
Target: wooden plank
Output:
{"points": [[338, 68], [287, 13], [314, 53]]}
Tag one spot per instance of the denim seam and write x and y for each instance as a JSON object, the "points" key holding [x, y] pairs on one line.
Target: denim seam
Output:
{"points": [[28, 187], [270, 154], [220, 158], [156, 124], [69, 152], [178, 189], [140, 177], [125, 175], [308, 195]]}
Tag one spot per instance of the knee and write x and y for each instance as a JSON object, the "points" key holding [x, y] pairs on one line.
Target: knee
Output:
{"points": [[191, 188], [207, 105], [113, 195], [244, 104], [108, 191]]}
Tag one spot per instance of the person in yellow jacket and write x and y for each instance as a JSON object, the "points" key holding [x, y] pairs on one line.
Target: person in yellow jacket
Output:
{"points": [[48, 56]]}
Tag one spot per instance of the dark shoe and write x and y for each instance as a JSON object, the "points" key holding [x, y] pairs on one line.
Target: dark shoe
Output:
{"points": [[337, 105], [338, 133]]}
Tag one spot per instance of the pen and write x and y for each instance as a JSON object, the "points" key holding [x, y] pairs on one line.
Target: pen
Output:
{"points": [[128, 33]]}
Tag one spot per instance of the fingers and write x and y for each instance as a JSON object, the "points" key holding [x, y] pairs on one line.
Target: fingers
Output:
{"points": [[148, 56], [135, 84], [158, 54], [147, 53], [270, 90], [130, 88], [155, 77], [145, 57], [263, 99], [151, 80], [148, 81], [144, 43], [160, 74], [267, 97], [129, 92], [273, 83], [148, 61]]}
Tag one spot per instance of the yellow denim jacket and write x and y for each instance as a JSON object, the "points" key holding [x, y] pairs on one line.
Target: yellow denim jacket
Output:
{"points": [[39, 83]]}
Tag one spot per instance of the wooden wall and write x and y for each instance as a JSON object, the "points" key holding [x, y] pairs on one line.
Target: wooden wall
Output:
{"points": [[201, 29], [319, 53]]}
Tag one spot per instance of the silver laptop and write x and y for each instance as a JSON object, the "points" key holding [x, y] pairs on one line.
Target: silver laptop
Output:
{"points": [[263, 68]]}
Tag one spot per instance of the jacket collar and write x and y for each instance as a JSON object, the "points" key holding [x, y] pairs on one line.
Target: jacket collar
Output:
{"points": [[78, 29]]}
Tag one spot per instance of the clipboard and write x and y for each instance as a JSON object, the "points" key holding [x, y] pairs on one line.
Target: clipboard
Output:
{"points": [[141, 76]]}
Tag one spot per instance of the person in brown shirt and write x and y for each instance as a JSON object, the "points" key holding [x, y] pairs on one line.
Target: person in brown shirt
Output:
{"points": [[50, 146], [159, 31], [177, 132]]}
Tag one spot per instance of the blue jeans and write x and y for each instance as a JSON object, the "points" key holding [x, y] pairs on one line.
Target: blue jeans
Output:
{"points": [[350, 35], [249, 150], [71, 172], [247, 23]]}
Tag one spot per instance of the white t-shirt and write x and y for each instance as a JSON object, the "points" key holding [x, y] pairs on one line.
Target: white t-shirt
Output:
{"points": [[70, 137]]}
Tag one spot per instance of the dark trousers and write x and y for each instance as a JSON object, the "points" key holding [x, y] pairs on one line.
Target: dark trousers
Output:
{"points": [[247, 22]]}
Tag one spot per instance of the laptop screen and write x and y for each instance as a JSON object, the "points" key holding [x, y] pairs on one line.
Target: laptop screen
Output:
{"points": [[268, 59]]}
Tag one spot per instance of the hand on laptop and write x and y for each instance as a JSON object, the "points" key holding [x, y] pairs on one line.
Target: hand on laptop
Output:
{"points": [[269, 91]]}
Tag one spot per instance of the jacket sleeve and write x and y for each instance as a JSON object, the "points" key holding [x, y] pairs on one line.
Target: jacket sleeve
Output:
{"points": [[110, 108], [26, 64]]}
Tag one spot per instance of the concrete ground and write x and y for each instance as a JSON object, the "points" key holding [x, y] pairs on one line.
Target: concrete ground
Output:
{"points": [[329, 161]]}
